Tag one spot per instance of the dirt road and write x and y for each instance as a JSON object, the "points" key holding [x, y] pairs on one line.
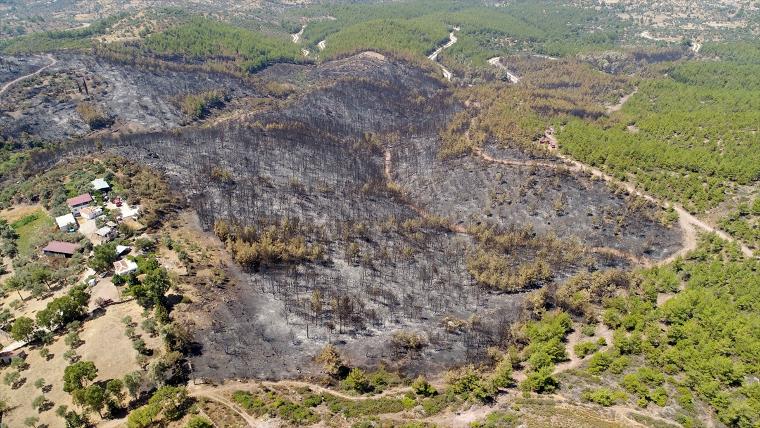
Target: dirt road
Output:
{"points": [[216, 396], [297, 36], [434, 56], [689, 224], [496, 62], [217, 393], [5, 87], [621, 103]]}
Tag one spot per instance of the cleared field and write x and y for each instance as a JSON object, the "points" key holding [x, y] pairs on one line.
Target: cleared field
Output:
{"points": [[31, 229]]}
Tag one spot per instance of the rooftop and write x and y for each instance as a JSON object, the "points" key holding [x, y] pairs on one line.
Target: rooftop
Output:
{"points": [[100, 184], [91, 210], [104, 231], [65, 220], [79, 200], [61, 247], [124, 265]]}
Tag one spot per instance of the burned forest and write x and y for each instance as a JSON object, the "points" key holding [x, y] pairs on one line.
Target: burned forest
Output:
{"points": [[346, 227], [375, 214]]}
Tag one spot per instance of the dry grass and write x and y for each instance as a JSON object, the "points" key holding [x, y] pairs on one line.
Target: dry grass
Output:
{"points": [[220, 414], [105, 344], [550, 414], [19, 211]]}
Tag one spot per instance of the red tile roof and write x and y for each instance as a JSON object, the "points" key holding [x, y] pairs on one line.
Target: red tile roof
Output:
{"points": [[79, 200], [61, 247]]}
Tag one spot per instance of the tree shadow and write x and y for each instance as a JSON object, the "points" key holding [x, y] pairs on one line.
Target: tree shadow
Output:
{"points": [[172, 300], [19, 383]]}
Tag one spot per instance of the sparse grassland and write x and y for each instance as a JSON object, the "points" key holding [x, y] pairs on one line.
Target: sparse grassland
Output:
{"points": [[32, 229]]}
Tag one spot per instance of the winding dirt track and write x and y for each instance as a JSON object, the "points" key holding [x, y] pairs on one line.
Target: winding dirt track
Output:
{"points": [[496, 62], [216, 393], [5, 87], [689, 224], [216, 396], [434, 56], [621, 103]]}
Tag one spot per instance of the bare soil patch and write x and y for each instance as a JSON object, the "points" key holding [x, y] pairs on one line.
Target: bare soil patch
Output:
{"points": [[105, 344]]}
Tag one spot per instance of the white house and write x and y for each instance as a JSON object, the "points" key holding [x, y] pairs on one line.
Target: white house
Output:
{"points": [[105, 232], [67, 223], [122, 249], [91, 212], [100, 185], [124, 267]]}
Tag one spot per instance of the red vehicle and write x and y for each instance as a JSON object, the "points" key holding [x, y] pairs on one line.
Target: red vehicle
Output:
{"points": [[117, 202]]}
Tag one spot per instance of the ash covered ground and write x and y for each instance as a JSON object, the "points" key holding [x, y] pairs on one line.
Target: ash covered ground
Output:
{"points": [[320, 159], [135, 99]]}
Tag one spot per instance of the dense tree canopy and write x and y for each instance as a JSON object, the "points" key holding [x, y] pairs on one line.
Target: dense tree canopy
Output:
{"points": [[686, 137]]}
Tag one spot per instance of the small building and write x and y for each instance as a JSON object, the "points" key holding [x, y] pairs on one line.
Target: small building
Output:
{"points": [[100, 185], [130, 211], [122, 249], [60, 249], [67, 223], [105, 232], [6, 357], [91, 212], [78, 202], [110, 223], [124, 267]]}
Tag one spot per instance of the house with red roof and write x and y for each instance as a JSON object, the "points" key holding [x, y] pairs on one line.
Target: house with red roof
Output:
{"points": [[78, 202], [60, 249]]}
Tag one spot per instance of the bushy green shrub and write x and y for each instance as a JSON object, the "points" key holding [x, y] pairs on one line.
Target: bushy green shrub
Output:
{"points": [[497, 419], [167, 403], [422, 387], [199, 422], [357, 381], [249, 402], [603, 396], [583, 349]]}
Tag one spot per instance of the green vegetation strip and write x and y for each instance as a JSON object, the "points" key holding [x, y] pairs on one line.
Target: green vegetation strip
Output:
{"points": [[695, 136]]}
